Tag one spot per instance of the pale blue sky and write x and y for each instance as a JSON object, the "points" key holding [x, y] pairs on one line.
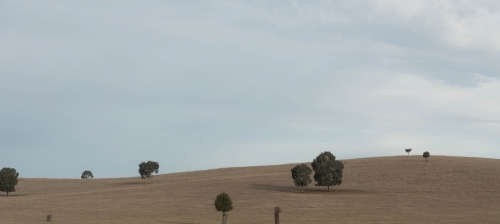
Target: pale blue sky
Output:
{"points": [[105, 85]]}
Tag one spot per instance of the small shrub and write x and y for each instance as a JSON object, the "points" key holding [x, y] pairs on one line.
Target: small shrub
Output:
{"points": [[49, 218]]}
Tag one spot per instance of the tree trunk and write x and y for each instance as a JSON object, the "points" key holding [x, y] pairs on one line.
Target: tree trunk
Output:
{"points": [[302, 188], [7, 193], [277, 219], [148, 181], [425, 159], [224, 217], [328, 188]]}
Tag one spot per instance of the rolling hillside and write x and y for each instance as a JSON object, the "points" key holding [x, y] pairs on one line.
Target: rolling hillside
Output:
{"points": [[400, 189]]}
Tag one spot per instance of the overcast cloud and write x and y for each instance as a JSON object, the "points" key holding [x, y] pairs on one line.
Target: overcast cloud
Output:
{"points": [[105, 85]]}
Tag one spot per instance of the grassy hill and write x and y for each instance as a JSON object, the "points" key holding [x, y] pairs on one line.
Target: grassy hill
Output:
{"points": [[400, 189]]}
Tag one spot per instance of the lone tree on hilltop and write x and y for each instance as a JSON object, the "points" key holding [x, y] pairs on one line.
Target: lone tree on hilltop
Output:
{"points": [[327, 171], [146, 169], [223, 204], [300, 175], [8, 180], [426, 155], [408, 151], [87, 174]]}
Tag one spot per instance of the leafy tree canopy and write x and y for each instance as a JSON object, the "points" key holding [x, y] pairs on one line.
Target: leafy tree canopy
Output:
{"points": [[408, 151], [327, 171], [8, 180], [146, 169], [426, 155], [301, 175], [223, 203], [87, 174]]}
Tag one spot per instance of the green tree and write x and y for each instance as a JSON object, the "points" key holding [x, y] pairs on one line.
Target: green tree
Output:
{"points": [[223, 204], [426, 155], [408, 151], [327, 171], [8, 180], [87, 174], [146, 169], [300, 175]]}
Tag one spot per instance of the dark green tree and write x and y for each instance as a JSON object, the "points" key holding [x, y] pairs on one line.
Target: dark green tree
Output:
{"points": [[327, 171], [8, 180], [223, 204], [300, 175], [426, 155], [408, 151], [146, 169], [87, 174]]}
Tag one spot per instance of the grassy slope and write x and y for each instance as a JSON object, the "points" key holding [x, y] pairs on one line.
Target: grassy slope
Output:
{"points": [[401, 189]]}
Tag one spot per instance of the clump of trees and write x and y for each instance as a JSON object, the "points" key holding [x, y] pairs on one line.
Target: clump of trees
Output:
{"points": [[327, 171], [87, 174], [408, 151], [300, 175], [146, 169], [426, 155], [8, 180], [223, 204]]}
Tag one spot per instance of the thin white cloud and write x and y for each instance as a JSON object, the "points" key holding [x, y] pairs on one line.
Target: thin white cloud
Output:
{"points": [[462, 24]]}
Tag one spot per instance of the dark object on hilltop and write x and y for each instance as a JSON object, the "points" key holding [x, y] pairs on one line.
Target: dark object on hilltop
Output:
{"points": [[8, 180], [408, 151], [49, 218], [300, 175], [87, 174], [327, 171], [426, 155], [277, 211], [146, 169], [223, 204]]}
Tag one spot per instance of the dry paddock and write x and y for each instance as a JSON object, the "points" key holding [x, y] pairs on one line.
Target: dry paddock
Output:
{"points": [[400, 189]]}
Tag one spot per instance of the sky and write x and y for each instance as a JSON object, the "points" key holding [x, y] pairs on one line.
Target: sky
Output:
{"points": [[194, 85]]}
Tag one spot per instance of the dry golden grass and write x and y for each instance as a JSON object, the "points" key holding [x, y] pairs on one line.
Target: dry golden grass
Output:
{"points": [[401, 189]]}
